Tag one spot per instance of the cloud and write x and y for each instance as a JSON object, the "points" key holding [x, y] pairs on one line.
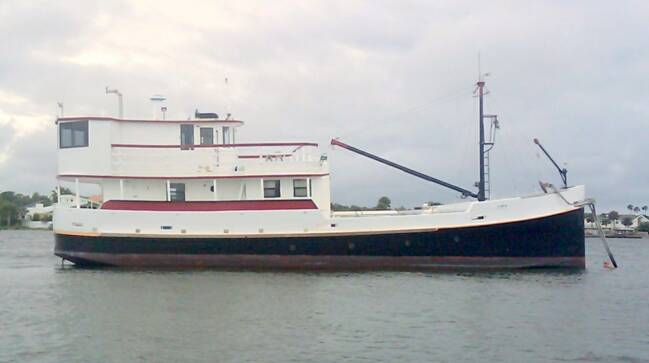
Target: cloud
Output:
{"points": [[395, 78]]}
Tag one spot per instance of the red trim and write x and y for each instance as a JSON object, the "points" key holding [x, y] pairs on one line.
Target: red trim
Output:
{"points": [[327, 263], [93, 118], [208, 206], [265, 156], [257, 144], [188, 177]]}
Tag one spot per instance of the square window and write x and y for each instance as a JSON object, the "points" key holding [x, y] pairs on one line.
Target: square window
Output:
{"points": [[73, 134], [299, 188], [271, 189]]}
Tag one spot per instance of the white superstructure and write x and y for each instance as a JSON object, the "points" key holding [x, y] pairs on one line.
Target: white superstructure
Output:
{"points": [[183, 163]]}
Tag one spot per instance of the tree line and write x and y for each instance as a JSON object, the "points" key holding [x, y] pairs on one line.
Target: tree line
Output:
{"points": [[384, 203], [613, 216], [13, 205]]}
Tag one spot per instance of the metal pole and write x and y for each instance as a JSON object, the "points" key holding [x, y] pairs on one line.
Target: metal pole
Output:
{"points": [[404, 169], [76, 192], [121, 105], [481, 183], [562, 172]]}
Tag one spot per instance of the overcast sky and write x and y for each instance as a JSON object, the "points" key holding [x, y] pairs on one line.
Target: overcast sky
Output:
{"points": [[393, 77]]}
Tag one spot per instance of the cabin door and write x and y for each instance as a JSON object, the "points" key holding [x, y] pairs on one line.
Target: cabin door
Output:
{"points": [[186, 135], [207, 136]]}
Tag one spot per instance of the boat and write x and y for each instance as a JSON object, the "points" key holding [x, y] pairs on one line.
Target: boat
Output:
{"points": [[187, 194]]}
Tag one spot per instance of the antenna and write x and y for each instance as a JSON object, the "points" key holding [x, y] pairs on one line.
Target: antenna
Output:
{"points": [[120, 103], [60, 104], [228, 98]]}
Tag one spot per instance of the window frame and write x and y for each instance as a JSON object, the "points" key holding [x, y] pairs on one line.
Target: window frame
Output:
{"points": [[211, 135], [173, 192], [191, 134], [305, 188], [277, 188], [74, 126]]}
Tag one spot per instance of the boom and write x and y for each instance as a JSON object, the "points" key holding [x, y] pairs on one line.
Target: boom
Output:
{"points": [[464, 192]]}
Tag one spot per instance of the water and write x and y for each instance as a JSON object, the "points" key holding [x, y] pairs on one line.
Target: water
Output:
{"points": [[54, 314]]}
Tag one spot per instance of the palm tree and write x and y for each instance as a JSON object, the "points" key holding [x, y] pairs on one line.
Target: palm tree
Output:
{"points": [[630, 207], [645, 209], [613, 217]]}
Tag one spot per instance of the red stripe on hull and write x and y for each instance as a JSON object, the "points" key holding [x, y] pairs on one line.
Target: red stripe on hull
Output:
{"points": [[238, 205], [304, 262]]}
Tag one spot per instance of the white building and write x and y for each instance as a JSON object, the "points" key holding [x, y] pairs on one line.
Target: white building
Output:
{"points": [[38, 216], [618, 224]]}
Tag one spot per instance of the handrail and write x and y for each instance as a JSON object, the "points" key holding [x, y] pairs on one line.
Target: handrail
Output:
{"points": [[259, 144]]}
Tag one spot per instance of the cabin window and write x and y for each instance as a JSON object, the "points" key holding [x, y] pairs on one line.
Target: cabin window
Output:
{"points": [[177, 192], [271, 189], [73, 134], [186, 135], [226, 135], [299, 188], [207, 136]]}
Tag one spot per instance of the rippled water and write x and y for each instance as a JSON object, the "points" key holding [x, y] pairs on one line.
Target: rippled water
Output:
{"points": [[54, 314]]}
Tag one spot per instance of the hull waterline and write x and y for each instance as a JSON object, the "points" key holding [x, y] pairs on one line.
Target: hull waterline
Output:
{"points": [[551, 241]]}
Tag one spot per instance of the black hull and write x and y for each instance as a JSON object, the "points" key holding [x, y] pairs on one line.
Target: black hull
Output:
{"points": [[552, 241]]}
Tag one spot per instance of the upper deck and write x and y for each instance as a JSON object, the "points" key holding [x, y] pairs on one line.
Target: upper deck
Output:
{"points": [[107, 147]]}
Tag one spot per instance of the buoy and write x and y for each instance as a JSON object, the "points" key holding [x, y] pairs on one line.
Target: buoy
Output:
{"points": [[607, 264]]}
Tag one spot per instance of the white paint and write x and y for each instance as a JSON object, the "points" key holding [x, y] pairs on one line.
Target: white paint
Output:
{"points": [[235, 178], [297, 221]]}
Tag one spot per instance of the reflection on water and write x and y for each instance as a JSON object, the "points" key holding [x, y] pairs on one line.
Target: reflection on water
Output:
{"points": [[54, 314]]}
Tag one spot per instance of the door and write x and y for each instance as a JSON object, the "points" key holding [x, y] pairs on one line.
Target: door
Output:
{"points": [[177, 192], [207, 136], [186, 135]]}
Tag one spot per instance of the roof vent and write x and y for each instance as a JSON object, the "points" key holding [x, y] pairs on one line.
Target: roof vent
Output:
{"points": [[205, 114]]}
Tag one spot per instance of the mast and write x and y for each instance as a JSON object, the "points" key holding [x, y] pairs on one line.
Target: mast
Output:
{"points": [[481, 183]]}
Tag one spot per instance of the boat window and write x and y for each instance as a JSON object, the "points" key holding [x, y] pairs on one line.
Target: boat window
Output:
{"points": [[186, 135], [299, 188], [271, 189], [226, 135], [73, 134], [310, 188], [207, 136], [177, 192]]}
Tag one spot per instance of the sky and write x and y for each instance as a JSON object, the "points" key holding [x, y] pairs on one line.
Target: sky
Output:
{"points": [[395, 78]]}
